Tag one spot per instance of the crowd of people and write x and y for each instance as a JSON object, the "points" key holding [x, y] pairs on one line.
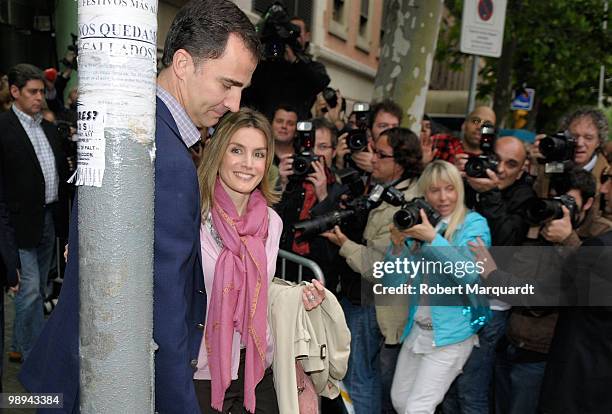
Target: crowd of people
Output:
{"points": [[290, 168]]}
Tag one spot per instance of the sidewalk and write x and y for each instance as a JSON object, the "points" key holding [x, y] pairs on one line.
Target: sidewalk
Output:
{"points": [[10, 384]]}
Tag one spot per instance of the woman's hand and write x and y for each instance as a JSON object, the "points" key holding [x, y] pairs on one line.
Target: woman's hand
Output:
{"points": [[424, 231], [312, 296], [482, 255], [335, 236]]}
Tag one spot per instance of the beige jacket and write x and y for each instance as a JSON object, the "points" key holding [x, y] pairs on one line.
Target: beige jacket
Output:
{"points": [[319, 338], [391, 319]]}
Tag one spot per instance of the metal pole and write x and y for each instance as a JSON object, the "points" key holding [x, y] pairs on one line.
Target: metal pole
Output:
{"points": [[117, 71], [473, 82], [602, 68]]}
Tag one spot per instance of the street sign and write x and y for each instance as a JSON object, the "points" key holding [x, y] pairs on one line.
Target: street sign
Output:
{"points": [[522, 99], [482, 27]]}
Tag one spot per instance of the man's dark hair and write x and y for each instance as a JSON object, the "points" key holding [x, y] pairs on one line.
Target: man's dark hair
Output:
{"points": [[285, 107], [300, 19], [20, 74], [324, 123], [575, 179], [202, 28], [406, 150], [388, 106], [597, 117]]}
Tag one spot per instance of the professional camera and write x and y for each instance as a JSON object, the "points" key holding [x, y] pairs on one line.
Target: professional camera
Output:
{"points": [[331, 98], [409, 215], [558, 151], [318, 225], [352, 181], [357, 139], [63, 129], [477, 165], [304, 144], [542, 210], [276, 32]]}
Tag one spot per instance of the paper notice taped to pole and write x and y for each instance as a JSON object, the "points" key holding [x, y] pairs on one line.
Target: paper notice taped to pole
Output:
{"points": [[91, 146]]}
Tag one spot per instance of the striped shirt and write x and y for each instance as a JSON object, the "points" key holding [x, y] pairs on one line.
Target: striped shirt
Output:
{"points": [[189, 132], [44, 153]]}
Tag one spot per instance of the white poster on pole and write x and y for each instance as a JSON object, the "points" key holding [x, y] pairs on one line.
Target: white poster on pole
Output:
{"points": [[482, 27]]}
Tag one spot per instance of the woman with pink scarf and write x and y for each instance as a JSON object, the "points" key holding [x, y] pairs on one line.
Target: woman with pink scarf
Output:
{"points": [[240, 236]]}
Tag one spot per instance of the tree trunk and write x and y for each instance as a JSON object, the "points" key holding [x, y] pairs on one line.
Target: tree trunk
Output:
{"points": [[407, 54], [116, 153], [503, 87]]}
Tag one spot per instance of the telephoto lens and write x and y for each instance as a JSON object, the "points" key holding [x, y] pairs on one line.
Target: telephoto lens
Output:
{"points": [[559, 147], [542, 210]]}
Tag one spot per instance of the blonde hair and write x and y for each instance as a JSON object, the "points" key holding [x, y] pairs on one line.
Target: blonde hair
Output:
{"points": [[215, 150], [436, 172]]}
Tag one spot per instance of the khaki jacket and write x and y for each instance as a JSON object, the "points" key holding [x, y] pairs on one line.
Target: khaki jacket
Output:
{"points": [[319, 338], [361, 258]]}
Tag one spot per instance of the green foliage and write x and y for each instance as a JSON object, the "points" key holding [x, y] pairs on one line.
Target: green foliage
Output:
{"points": [[560, 46]]}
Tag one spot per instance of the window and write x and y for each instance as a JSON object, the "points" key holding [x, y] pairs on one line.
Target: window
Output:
{"points": [[339, 16], [364, 37]]}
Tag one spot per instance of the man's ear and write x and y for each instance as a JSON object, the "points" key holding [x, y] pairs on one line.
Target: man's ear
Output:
{"points": [[15, 92], [588, 204], [182, 62]]}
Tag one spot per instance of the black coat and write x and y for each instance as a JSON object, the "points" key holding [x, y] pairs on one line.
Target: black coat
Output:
{"points": [[281, 82], [24, 184], [579, 369], [504, 211], [9, 256]]}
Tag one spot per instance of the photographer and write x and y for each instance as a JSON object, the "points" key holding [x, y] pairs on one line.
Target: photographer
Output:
{"points": [[310, 194], [501, 198], [524, 351], [580, 347], [383, 115], [586, 130], [396, 161], [470, 143], [287, 73]]}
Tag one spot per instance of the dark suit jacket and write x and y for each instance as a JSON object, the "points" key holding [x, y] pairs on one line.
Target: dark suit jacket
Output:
{"points": [[579, 368], [9, 256], [179, 295], [24, 184]]}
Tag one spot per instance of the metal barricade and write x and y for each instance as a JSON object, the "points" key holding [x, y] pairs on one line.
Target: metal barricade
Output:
{"points": [[285, 256]]}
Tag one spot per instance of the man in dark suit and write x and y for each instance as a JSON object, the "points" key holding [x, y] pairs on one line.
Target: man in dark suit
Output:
{"points": [[210, 53], [34, 171], [579, 369], [9, 264]]}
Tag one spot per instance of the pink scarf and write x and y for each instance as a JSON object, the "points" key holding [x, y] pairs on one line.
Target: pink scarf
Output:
{"points": [[239, 299]]}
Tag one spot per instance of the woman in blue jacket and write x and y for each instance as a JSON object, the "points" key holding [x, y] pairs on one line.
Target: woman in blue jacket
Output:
{"points": [[441, 328]]}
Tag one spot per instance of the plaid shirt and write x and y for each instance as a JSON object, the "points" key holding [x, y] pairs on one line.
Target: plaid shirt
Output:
{"points": [[44, 153], [446, 146], [189, 132]]}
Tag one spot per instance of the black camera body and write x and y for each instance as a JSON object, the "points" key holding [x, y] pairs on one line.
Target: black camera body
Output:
{"points": [[331, 99], [543, 210], [477, 165], [63, 129], [304, 155], [276, 32], [357, 139], [558, 148], [409, 215]]}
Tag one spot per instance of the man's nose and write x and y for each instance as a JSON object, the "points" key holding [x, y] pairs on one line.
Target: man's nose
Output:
{"points": [[232, 101]]}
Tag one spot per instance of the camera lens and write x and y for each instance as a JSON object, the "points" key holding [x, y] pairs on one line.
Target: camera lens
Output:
{"points": [[475, 167], [356, 140], [300, 166], [541, 210], [405, 218]]}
